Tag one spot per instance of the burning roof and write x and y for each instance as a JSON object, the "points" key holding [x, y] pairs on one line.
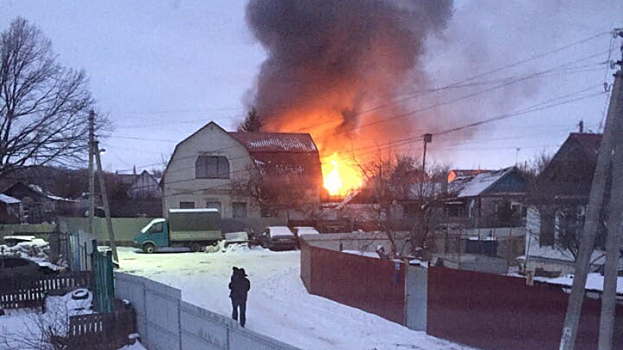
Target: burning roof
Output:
{"points": [[282, 153], [275, 142]]}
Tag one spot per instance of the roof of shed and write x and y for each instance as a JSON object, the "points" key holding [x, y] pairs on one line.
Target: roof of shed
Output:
{"points": [[478, 184]]}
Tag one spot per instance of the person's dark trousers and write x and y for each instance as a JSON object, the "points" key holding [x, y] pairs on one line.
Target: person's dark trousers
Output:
{"points": [[242, 305]]}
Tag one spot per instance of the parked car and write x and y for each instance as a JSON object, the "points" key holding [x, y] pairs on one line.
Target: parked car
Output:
{"points": [[305, 230], [12, 241], [18, 267], [278, 238]]}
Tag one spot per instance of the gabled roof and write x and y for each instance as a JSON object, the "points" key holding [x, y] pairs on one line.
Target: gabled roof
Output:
{"points": [[480, 183], [292, 153], [32, 188], [275, 142], [589, 143], [8, 199], [455, 174]]}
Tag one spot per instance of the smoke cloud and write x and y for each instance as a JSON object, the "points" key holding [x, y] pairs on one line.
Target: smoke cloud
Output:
{"points": [[332, 62]]}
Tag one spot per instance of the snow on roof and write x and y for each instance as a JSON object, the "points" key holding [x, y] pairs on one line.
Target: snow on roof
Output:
{"points": [[274, 231], [594, 282], [8, 199], [275, 142], [480, 183], [49, 195]]}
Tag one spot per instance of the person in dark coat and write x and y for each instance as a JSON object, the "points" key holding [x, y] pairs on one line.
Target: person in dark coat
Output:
{"points": [[239, 287]]}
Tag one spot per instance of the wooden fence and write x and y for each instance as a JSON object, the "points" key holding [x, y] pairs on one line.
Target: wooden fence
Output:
{"points": [[107, 331], [29, 292]]}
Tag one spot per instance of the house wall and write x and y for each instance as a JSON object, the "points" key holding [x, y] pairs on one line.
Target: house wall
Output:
{"points": [[180, 184], [549, 259], [145, 186]]}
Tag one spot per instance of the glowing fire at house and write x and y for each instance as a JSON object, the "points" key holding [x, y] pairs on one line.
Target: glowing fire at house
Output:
{"points": [[340, 177]]}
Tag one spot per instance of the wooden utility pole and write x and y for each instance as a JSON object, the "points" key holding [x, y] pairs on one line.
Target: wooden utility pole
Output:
{"points": [[102, 181], [91, 173], [612, 131]]}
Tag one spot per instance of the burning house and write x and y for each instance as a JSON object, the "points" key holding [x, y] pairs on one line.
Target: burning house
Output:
{"points": [[244, 174]]}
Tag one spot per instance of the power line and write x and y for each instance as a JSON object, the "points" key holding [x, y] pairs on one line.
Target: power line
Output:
{"points": [[539, 106], [417, 139], [465, 97]]}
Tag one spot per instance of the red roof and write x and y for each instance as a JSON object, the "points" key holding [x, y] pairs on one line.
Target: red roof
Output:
{"points": [[275, 142], [589, 142], [283, 153]]}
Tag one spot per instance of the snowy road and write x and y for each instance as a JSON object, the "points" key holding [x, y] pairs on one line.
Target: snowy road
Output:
{"points": [[278, 306]]}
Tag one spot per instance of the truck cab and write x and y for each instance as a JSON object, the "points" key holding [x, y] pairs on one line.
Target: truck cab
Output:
{"points": [[153, 236]]}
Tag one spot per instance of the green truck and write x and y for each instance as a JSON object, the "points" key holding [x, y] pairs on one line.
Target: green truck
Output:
{"points": [[190, 228]]}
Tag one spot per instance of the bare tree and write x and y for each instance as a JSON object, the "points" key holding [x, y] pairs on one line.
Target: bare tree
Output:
{"points": [[278, 190], [534, 166], [393, 182], [252, 122], [43, 105]]}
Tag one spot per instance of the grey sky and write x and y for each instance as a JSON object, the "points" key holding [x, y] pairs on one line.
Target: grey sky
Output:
{"points": [[162, 69]]}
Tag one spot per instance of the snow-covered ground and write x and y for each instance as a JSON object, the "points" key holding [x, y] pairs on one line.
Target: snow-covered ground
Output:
{"points": [[278, 305]]}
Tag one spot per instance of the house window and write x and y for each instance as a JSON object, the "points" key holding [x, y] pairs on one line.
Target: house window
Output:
{"points": [[214, 205], [547, 235], [187, 205], [239, 209], [212, 167]]}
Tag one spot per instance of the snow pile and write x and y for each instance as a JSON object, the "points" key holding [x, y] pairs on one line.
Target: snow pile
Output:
{"points": [[35, 249]]}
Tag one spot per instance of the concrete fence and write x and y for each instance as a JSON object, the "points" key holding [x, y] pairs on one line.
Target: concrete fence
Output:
{"points": [[165, 322]]}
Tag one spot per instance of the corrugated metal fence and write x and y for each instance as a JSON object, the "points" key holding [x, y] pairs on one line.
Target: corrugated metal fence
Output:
{"points": [[369, 284], [494, 312], [165, 322]]}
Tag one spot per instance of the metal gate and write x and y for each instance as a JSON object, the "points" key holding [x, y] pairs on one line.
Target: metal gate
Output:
{"points": [[79, 251], [104, 289]]}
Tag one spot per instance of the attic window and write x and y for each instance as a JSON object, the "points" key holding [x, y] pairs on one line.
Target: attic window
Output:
{"points": [[212, 167]]}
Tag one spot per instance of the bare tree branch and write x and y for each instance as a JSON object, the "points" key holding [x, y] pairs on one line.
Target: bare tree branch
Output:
{"points": [[43, 105]]}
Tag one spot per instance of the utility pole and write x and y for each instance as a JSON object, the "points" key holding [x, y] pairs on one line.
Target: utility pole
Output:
{"points": [[102, 181], [91, 173], [613, 240], [427, 139], [613, 129]]}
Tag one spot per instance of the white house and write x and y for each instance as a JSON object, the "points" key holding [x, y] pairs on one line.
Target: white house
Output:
{"points": [[205, 167]]}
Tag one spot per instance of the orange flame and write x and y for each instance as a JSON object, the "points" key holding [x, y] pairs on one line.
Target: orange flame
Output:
{"points": [[341, 178]]}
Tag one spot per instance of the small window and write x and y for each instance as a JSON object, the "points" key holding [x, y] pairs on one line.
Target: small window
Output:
{"points": [[239, 209], [211, 167], [214, 205], [187, 205]]}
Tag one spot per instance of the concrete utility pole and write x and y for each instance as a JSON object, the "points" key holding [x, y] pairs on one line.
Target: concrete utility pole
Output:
{"points": [[91, 173], [613, 129], [102, 181], [613, 240]]}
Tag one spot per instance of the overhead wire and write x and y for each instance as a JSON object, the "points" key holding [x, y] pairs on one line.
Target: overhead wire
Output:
{"points": [[431, 107]]}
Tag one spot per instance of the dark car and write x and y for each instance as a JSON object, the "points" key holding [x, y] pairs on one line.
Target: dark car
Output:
{"points": [[18, 267], [278, 238]]}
